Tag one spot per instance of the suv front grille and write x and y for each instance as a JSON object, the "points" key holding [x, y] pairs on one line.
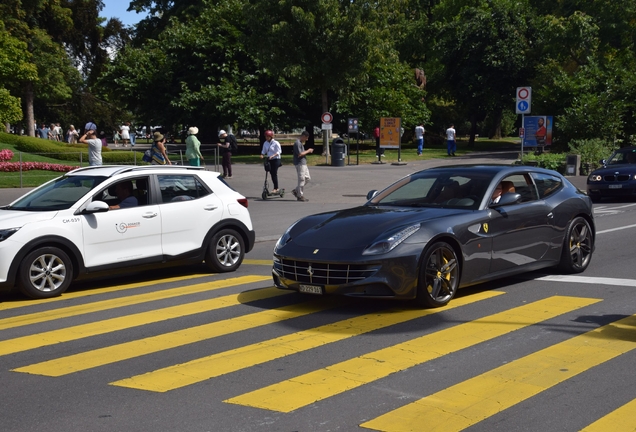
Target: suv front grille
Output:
{"points": [[322, 273]]}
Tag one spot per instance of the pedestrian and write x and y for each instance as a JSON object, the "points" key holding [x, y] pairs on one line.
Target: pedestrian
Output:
{"points": [[53, 133], [94, 147], [90, 126], [419, 137], [379, 152], [116, 138], [102, 138], [451, 144], [272, 151], [72, 135], [125, 133], [43, 132], [58, 131], [226, 153], [193, 147], [300, 162], [158, 150], [133, 135]]}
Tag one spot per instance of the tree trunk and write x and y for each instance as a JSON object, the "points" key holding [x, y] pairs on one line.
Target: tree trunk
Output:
{"points": [[495, 132], [28, 105], [473, 131]]}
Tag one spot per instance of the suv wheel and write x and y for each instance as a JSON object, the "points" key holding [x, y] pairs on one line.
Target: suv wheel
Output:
{"points": [[226, 251], [45, 272]]}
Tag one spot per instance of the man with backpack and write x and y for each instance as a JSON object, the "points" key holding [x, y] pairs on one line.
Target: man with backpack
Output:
{"points": [[227, 145]]}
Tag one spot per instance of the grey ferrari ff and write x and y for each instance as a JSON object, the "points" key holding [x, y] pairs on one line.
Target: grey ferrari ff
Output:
{"points": [[437, 230]]}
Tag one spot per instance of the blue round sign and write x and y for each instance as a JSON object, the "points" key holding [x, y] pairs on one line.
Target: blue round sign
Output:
{"points": [[522, 106]]}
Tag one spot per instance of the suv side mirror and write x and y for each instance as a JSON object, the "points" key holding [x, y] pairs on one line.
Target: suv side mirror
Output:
{"points": [[96, 207]]}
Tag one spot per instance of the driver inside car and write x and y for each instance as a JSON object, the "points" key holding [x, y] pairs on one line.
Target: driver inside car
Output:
{"points": [[124, 193]]}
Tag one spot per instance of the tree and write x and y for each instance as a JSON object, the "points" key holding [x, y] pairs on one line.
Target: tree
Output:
{"points": [[482, 53]]}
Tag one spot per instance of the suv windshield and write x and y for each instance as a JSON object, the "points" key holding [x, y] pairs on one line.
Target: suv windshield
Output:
{"points": [[59, 194]]}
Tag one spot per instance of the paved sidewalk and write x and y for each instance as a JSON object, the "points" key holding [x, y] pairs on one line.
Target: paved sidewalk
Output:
{"points": [[330, 188]]}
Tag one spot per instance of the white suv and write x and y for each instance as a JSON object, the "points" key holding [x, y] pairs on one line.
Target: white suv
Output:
{"points": [[109, 218]]}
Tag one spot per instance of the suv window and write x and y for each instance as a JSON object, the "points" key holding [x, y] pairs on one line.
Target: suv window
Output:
{"points": [[546, 184], [181, 188], [60, 194]]}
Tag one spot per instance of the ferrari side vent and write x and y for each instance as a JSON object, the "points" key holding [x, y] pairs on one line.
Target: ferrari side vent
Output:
{"points": [[323, 273]]}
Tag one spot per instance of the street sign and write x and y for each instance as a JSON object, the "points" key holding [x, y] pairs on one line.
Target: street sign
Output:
{"points": [[521, 132], [390, 132], [524, 98], [327, 126], [353, 125], [326, 117]]}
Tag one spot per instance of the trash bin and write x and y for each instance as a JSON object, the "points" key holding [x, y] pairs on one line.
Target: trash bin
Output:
{"points": [[338, 152], [572, 163]]}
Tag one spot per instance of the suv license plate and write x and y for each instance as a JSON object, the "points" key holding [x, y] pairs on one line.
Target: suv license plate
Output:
{"points": [[615, 186], [310, 289]]}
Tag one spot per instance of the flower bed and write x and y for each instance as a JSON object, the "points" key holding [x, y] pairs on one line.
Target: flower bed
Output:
{"points": [[6, 155], [28, 166]]}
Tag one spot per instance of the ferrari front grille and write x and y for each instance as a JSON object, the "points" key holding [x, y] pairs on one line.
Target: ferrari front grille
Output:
{"points": [[323, 273]]}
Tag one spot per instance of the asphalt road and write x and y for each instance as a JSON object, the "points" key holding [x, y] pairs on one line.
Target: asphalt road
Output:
{"points": [[184, 350]]}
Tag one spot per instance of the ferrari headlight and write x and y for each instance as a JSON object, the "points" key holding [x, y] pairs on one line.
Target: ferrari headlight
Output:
{"points": [[388, 244], [6, 233], [594, 178], [285, 238]]}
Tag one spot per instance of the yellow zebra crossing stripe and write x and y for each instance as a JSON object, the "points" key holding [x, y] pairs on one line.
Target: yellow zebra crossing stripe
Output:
{"points": [[70, 311], [198, 370], [467, 403], [53, 337], [99, 357], [306, 389], [620, 420], [268, 262], [93, 292]]}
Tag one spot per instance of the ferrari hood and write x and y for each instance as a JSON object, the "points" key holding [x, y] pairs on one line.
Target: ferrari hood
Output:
{"points": [[360, 226]]}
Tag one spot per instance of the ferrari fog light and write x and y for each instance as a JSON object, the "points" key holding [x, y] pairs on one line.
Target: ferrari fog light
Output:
{"points": [[388, 244]]}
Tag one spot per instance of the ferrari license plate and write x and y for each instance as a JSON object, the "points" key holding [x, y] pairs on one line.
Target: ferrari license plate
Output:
{"points": [[310, 289], [615, 186]]}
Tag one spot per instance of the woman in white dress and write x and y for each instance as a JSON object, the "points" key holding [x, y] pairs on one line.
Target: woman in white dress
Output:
{"points": [[125, 133]]}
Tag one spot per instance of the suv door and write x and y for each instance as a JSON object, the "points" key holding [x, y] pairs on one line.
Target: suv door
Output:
{"points": [[122, 235], [188, 210]]}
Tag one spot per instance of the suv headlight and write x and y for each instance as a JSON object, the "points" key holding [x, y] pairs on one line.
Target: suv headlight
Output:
{"points": [[6, 233], [390, 243], [594, 178]]}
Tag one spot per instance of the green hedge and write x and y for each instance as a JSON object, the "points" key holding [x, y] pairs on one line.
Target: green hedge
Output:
{"points": [[65, 152], [553, 161]]}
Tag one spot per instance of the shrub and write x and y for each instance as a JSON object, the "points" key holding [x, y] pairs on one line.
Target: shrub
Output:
{"points": [[592, 150], [553, 161], [63, 151]]}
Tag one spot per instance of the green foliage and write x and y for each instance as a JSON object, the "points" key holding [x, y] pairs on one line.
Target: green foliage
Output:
{"points": [[592, 151], [553, 161]]}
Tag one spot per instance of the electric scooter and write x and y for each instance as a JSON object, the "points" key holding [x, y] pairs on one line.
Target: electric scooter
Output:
{"points": [[266, 193]]}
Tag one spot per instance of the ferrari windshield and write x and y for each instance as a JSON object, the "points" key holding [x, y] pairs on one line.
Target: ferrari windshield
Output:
{"points": [[59, 194], [437, 188]]}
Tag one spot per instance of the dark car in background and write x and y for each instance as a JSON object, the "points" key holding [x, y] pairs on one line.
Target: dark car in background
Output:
{"points": [[616, 178], [437, 230]]}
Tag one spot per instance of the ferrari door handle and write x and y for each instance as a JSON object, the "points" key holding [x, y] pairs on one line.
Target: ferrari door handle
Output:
{"points": [[149, 215], [210, 207]]}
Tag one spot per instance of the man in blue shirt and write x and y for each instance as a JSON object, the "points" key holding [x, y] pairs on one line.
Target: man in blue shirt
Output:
{"points": [[124, 192]]}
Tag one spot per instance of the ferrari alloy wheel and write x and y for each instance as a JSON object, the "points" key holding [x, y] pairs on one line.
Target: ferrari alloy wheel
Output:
{"points": [[577, 247], [439, 275], [226, 251], [46, 272]]}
